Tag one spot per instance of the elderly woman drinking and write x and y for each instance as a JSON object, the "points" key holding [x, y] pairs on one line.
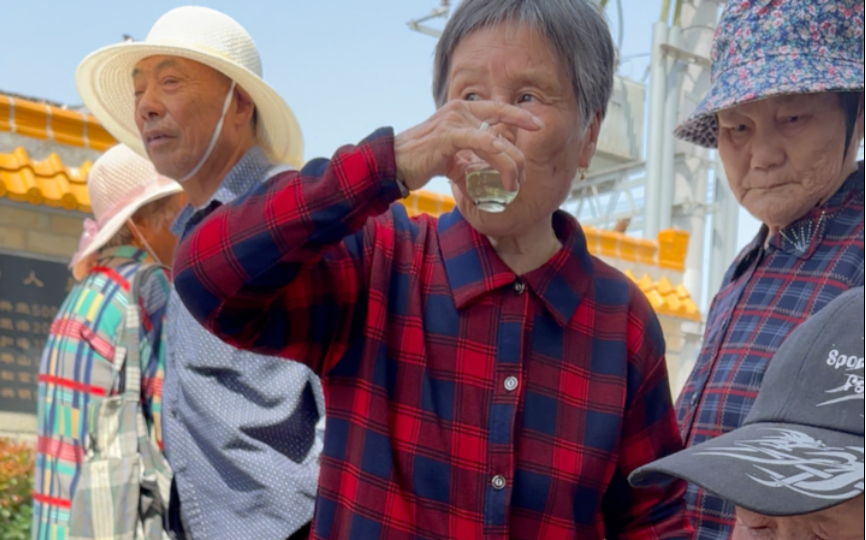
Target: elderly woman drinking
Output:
{"points": [[786, 112], [486, 376]]}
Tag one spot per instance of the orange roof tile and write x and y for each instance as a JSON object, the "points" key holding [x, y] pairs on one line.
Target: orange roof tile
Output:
{"points": [[42, 121], [667, 299], [427, 202], [46, 182]]}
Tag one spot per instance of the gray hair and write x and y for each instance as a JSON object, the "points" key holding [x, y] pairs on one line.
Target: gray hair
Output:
{"points": [[155, 213], [575, 29]]}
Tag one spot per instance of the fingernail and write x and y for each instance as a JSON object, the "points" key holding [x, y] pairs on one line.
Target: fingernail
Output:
{"points": [[538, 122], [499, 145]]}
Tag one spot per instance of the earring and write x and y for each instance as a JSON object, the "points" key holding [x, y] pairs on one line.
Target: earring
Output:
{"points": [[582, 175]]}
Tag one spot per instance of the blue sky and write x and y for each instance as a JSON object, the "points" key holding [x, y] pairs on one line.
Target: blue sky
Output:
{"points": [[345, 67]]}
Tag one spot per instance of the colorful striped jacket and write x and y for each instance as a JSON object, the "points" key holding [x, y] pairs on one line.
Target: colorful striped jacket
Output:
{"points": [[76, 370]]}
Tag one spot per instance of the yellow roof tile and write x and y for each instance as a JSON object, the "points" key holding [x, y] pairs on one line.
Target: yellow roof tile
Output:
{"points": [[46, 182], [668, 300], [664, 287], [427, 202], [41, 121]]}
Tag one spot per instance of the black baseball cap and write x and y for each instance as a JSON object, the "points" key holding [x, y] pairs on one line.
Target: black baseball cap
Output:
{"points": [[800, 449]]}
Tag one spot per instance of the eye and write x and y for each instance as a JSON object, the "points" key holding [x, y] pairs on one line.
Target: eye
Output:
{"points": [[168, 81], [471, 96], [526, 98], [761, 533]]}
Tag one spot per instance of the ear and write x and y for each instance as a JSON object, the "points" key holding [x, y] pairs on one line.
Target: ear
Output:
{"points": [[142, 226], [243, 106], [590, 140]]}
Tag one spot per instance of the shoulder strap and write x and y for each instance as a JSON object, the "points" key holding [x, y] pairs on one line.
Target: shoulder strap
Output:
{"points": [[130, 337]]}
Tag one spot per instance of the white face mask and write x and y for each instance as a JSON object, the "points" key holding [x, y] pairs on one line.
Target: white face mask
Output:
{"points": [[213, 138], [144, 242]]}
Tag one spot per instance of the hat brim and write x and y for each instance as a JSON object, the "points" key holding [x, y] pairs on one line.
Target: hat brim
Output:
{"points": [[766, 77], [104, 80], [774, 469], [114, 224]]}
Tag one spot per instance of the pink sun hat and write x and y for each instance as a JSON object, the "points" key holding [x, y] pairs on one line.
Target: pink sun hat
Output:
{"points": [[119, 183]]}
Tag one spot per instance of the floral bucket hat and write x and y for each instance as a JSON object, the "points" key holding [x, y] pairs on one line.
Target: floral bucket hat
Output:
{"points": [[767, 48]]}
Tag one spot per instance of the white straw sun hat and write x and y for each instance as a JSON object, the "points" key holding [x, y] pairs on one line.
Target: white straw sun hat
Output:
{"points": [[119, 183], [104, 78]]}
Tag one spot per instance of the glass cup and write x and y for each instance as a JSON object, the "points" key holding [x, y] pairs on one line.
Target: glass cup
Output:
{"points": [[485, 188]]}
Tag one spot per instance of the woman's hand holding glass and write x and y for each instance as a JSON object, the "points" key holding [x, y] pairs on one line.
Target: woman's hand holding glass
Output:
{"points": [[443, 144]]}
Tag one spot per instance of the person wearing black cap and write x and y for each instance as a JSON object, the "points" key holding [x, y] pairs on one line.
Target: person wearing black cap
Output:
{"points": [[795, 468]]}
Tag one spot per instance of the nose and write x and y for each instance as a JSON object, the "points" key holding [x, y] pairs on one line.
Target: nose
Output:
{"points": [[148, 105], [767, 149], [502, 130]]}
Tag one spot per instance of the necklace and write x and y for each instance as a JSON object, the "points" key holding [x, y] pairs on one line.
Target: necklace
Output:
{"points": [[803, 233]]}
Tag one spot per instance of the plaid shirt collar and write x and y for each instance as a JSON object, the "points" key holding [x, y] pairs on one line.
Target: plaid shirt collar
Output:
{"points": [[474, 269], [241, 178]]}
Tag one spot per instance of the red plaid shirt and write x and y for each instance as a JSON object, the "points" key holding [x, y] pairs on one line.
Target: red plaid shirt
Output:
{"points": [[463, 401]]}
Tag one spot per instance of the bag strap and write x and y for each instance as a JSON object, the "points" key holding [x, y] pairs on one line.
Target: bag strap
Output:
{"points": [[130, 337]]}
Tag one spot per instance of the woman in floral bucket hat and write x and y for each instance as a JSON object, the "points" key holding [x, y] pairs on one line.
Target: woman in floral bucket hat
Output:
{"points": [[785, 110]]}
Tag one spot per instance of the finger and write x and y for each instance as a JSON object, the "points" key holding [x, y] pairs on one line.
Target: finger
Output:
{"points": [[494, 113], [510, 168], [501, 154]]}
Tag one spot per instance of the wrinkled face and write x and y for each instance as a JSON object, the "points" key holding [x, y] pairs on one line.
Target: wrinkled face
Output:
{"points": [[514, 64], [842, 522], [178, 103], [784, 155]]}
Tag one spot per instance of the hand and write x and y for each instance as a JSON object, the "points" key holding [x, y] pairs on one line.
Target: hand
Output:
{"points": [[430, 148]]}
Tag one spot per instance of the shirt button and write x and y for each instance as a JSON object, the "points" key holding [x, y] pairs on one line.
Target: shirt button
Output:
{"points": [[511, 383], [519, 286], [498, 482], [694, 398]]}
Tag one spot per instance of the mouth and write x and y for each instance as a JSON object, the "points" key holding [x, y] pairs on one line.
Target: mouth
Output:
{"points": [[156, 138]]}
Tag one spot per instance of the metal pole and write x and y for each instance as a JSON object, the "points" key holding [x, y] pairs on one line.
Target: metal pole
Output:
{"points": [[725, 223], [671, 113], [654, 134]]}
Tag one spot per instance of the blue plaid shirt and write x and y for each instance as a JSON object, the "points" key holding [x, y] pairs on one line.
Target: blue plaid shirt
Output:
{"points": [[241, 430], [766, 293]]}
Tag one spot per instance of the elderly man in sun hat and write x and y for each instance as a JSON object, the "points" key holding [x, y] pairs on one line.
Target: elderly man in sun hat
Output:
{"points": [[794, 469], [242, 430], [133, 207], [785, 111]]}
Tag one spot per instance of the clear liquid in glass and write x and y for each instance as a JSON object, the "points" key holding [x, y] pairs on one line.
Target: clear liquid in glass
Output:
{"points": [[485, 188]]}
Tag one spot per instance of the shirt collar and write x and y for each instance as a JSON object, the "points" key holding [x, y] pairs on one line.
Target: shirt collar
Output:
{"points": [[474, 269], [813, 225], [246, 173]]}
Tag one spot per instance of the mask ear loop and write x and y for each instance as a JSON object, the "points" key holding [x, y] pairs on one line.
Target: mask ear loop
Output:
{"points": [[140, 236], [214, 136]]}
